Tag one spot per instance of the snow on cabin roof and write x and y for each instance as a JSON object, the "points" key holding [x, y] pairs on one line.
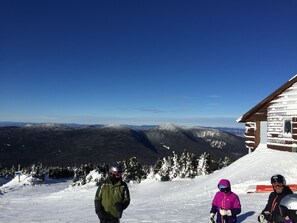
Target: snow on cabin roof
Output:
{"points": [[259, 112], [293, 77]]}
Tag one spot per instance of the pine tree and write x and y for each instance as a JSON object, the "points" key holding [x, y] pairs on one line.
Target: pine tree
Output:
{"points": [[183, 164], [133, 170], [175, 166], [224, 162], [191, 165], [165, 169], [203, 167]]}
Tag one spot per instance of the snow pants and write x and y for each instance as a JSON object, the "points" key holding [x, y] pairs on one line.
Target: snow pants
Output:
{"points": [[114, 220]]}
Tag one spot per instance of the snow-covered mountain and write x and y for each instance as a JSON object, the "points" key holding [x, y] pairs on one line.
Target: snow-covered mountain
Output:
{"points": [[58, 144], [180, 201]]}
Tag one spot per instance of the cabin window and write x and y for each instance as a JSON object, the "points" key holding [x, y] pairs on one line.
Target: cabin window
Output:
{"points": [[288, 126]]}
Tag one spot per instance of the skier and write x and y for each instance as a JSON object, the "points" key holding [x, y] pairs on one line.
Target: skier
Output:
{"points": [[271, 212], [288, 209], [112, 196], [225, 204]]}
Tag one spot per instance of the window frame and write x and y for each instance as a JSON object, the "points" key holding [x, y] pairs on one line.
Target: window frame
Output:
{"points": [[287, 126]]}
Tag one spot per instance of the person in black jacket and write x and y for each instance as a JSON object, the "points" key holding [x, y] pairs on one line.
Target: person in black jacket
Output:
{"points": [[112, 196], [271, 212]]}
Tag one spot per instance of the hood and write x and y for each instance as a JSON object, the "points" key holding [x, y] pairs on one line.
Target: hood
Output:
{"points": [[225, 183]]}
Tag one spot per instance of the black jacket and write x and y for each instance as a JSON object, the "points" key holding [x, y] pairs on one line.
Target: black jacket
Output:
{"points": [[272, 211]]}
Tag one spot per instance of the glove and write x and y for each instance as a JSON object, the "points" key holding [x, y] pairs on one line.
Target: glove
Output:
{"points": [[100, 211], [224, 212], [119, 206], [267, 215], [211, 218], [261, 218], [280, 219]]}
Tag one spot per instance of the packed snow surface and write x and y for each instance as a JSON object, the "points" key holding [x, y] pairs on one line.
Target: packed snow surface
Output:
{"points": [[182, 200]]}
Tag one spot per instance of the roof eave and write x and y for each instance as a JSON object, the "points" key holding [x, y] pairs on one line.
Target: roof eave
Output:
{"points": [[268, 99]]}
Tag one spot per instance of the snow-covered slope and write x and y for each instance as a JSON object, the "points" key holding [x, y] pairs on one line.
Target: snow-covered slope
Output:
{"points": [[176, 201]]}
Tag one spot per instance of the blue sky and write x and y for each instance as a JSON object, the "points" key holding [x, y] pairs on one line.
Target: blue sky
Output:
{"points": [[202, 62]]}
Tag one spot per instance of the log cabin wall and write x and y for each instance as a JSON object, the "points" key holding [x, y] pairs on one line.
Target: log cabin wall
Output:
{"points": [[294, 128], [257, 134], [250, 135], [282, 121]]}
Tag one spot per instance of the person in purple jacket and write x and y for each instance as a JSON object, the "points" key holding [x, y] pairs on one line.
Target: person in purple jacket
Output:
{"points": [[225, 204]]}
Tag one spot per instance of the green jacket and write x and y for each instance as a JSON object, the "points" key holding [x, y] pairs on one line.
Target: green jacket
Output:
{"points": [[111, 195]]}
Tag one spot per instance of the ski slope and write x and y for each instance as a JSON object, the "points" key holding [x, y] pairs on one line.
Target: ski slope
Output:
{"points": [[182, 200]]}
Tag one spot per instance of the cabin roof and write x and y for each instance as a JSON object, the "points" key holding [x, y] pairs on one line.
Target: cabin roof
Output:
{"points": [[259, 112]]}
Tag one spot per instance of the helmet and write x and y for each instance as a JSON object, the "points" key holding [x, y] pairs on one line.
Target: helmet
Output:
{"points": [[290, 201], [224, 185], [288, 206], [278, 179], [115, 170]]}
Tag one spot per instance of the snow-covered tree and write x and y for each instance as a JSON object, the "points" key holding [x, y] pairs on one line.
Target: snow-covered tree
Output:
{"points": [[175, 166], [191, 166], [188, 165], [132, 170], [203, 167], [165, 169], [223, 162], [183, 163]]}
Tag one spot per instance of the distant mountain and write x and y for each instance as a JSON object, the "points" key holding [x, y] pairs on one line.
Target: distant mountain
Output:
{"points": [[59, 144], [22, 124], [236, 131], [13, 124]]}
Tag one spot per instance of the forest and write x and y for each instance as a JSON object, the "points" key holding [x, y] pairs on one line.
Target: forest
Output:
{"points": [[184, 165]]}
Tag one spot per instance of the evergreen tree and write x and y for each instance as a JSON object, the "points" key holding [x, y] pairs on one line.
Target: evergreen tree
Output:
{"points": [[37, 172], [132, 170], [226, 161], [191, 165], [183, 164], [60, 172], [188, 165], [165, 169], [175, 166], [203, 167], [157, 166]]}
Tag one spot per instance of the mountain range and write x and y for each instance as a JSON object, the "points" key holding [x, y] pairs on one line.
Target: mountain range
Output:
{"points": [[59, 144]]}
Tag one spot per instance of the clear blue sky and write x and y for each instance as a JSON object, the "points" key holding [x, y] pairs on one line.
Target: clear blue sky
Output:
{"points": [[202, 62]]}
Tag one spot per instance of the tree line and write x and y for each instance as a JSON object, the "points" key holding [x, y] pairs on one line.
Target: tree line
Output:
{"points": [[184, 165]]}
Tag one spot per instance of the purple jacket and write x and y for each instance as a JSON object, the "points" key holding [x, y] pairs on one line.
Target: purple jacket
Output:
{"points": [[228, 201]]}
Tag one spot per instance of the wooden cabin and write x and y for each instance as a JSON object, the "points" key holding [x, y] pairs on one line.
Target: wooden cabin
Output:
{"points": [[274, 120]]}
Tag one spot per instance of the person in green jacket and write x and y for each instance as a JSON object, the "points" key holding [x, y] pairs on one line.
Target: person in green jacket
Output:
{"points": [[112, 196]]}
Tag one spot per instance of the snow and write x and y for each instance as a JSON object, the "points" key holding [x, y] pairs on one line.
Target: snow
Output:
{"points": [[181, 200], [168, 126], [45, 125], [293, 77], [166, 147]]}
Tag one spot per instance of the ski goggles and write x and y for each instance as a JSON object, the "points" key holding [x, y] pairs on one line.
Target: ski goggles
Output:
{"points": [[277, 185], [224, 188], [116, 174]]}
